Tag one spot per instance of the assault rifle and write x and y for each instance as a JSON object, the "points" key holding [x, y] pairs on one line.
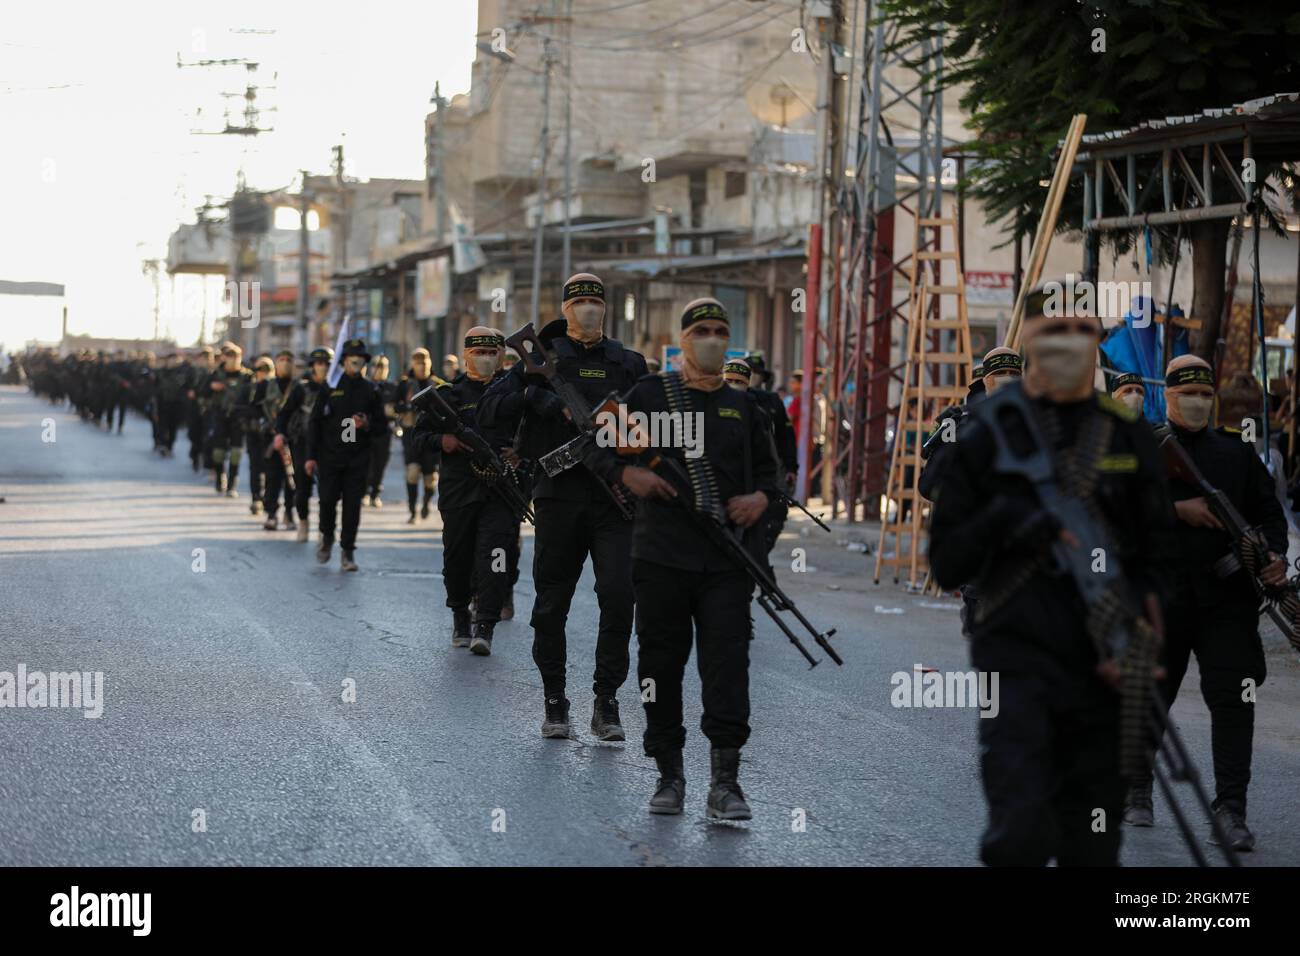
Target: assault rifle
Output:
{"points": [[1249, 546], [537, 362], [791, 500], [494, 471], [716, 528], [1113, 622]]}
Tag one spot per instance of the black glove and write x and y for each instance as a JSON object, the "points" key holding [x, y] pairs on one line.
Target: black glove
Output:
{"points": [[544, 402]]}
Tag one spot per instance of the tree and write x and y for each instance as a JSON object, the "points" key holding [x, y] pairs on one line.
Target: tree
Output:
{"points": [[1027, 66]]}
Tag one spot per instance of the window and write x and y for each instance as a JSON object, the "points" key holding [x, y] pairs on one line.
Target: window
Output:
{"points": [[734, 185]]}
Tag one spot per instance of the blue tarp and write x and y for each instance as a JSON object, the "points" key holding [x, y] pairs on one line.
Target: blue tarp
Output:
{"points": [[1137, 345]]}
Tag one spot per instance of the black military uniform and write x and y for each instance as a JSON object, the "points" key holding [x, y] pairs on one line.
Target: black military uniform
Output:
{"points": [[1218, 618], [338, 440], [255, 425], [576, 516], [381, 445], [786, 448], [417, 462], [270, 397], [292, 422], [169, 404], [225, 425], [478, 529], [1050, 756], [687, 586]]}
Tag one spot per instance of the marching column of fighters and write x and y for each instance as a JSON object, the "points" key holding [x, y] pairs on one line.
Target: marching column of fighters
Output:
{"points": [[1053, 755]]}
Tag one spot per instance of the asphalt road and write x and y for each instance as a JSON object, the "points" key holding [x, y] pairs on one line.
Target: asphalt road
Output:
{"points": [[223, 693]]}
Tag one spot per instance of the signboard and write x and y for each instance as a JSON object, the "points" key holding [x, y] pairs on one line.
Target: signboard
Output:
{"points": [[673, 357], [990, 288], [433, 288]]}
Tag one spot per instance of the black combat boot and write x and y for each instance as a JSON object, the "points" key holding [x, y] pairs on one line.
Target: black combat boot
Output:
{"points": [[1233, 824], [232, 484], [556, 721], [1138, 810], [670, 791], [412, 496], [605, 722], [219, 481], [726, 799], [460, 636], [424, 508], [323, 550], [347, 562], [482, 641]]}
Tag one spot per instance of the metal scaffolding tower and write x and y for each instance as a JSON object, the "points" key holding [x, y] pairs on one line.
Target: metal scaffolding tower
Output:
{"points": [[895, 152]]}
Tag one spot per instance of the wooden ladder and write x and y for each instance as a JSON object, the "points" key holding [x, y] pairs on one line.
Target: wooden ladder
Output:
{"points": [[927, 390]]}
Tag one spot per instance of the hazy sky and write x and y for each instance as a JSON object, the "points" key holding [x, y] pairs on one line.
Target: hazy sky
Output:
{"points": [[97, 162]]}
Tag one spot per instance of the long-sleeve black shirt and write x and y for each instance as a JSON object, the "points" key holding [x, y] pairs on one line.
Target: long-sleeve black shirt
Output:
{"points": [[1231, 465], [457, 483], [1041, 623], [327, 436], [664, 533], [510, 404]]}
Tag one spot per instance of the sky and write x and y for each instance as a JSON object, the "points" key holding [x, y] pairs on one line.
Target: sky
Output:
{"points": [[98, 163]]}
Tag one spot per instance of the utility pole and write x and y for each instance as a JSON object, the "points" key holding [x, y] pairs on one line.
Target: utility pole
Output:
{"points": [[548, 58], [304, 251], [341, 211], [567, 269], [439, 161]]}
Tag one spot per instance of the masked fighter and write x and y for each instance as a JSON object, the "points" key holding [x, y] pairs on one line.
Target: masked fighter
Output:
{"points": [[1129, 389], [1050, 753], [381, 445], [270, 397], [478, 529], [224, 433], [1216, 617], [576, 516], [291, 427], [423, 462], [339, 433], [686, 586]]}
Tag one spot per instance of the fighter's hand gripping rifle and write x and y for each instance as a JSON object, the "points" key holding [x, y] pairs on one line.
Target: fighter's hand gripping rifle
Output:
{"points": [[286, 459], [538, 362], [1118, 631], [490, 467], [1249, 546], [715, 527]]}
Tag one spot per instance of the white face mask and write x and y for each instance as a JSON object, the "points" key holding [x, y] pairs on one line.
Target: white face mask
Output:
{"points": [[1066, 361], [1194, 410], [710, 352], [484, 365], [1133, 400], [590, 316]]}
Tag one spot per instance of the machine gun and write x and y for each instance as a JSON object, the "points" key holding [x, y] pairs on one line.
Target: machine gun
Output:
{"points": [[286, 459], [538, 362], [714, 526], [1249, 547], [490, 467], [1113, 622]]}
